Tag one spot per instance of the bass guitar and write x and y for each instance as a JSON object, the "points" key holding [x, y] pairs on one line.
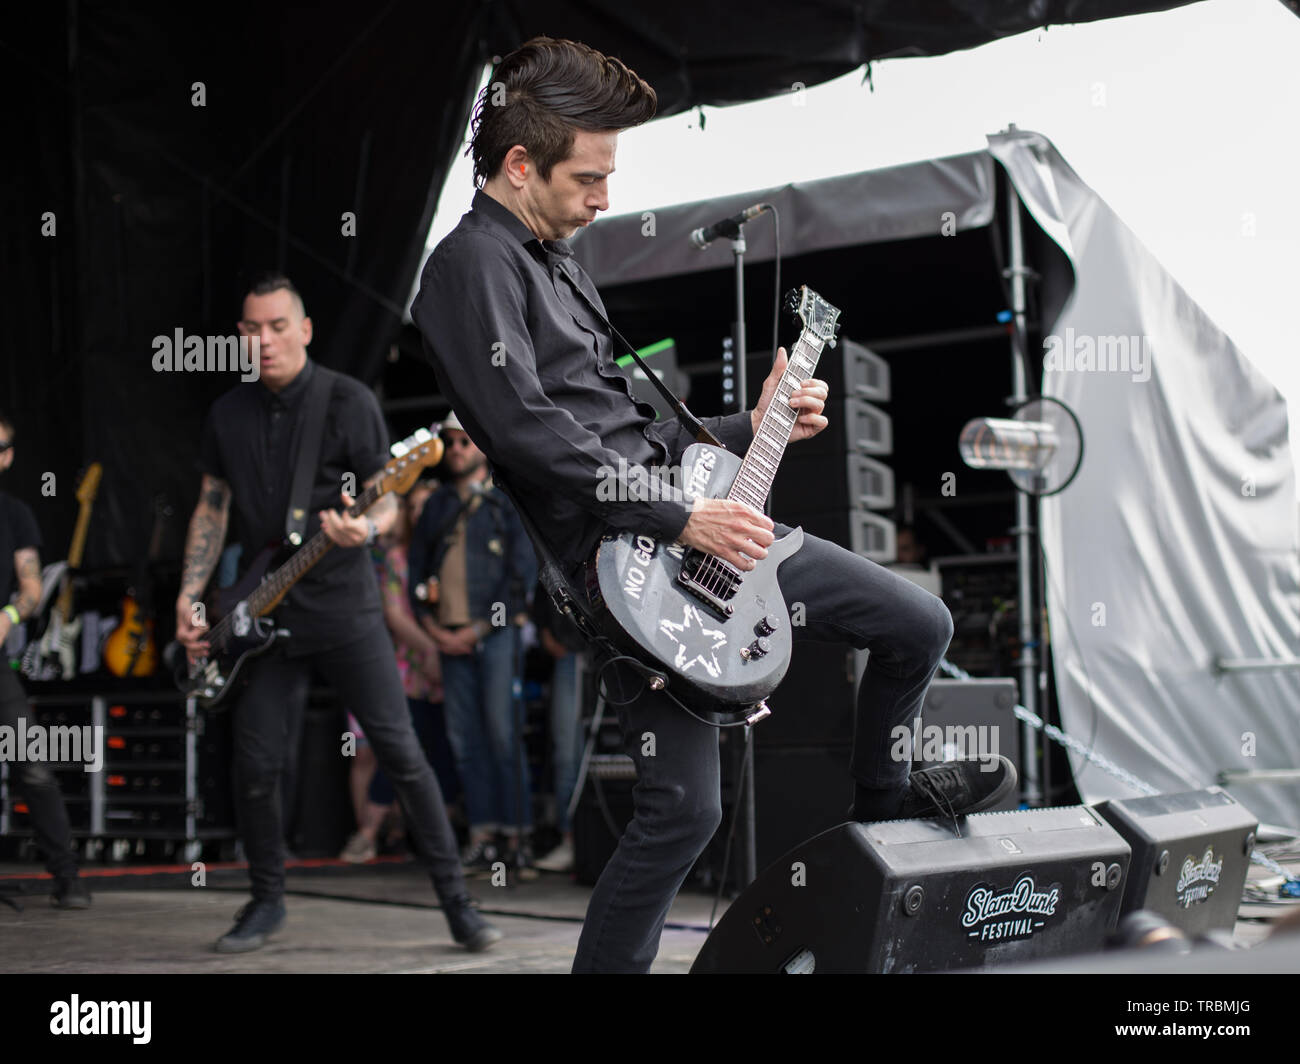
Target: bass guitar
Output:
{"points": [[243, 628], [716, 638]]}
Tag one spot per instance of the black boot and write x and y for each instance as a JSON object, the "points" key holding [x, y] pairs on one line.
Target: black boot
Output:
{"points": [[254, 924], [70, 892], [468, 928]]}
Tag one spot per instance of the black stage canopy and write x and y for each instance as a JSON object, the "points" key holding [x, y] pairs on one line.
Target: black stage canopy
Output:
{"points": [[160, 152]]}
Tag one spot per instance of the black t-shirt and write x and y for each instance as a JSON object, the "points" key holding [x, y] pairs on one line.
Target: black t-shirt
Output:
{"points": [[250, 440], [17, 531]]}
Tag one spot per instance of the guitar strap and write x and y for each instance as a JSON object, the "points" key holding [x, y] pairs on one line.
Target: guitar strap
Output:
{"points": [[550, 573], [309, 441], [688, 419]]}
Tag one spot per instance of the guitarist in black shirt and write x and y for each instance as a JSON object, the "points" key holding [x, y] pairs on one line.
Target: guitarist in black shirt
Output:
{"points": [[20, 569], [248, 453], [516, 332]]}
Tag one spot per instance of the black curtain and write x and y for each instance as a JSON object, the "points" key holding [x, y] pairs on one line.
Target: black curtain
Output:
{"points": [[179, 147]]}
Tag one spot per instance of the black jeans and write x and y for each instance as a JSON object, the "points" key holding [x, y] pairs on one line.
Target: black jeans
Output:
{"points": [[676, 801], [364, 676], [37, 785]]}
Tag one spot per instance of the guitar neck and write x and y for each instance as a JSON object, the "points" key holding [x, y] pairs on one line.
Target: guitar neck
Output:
{"points": [[271, 590], [63, 604], [758, 470]]}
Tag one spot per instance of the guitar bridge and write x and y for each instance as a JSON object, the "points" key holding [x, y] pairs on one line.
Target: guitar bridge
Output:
{"points": [[712, 581]]}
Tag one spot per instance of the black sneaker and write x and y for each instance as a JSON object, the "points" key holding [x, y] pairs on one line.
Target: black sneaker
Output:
{"points": [[468, 928], [70, 893], [479, 858], [956, 788], [254, 924], [519, 861]]}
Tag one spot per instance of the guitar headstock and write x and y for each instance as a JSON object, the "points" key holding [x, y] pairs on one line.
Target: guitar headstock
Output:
{"points": [[818, 317], [88, 486], [418, 451]]}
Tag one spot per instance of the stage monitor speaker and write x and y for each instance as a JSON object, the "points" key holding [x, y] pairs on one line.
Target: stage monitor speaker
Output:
{"points": [[855, 426], [827, 482], [854, 371], [814, 703], [917, 896], [1191, 853], [799, 792], [861, 531]]}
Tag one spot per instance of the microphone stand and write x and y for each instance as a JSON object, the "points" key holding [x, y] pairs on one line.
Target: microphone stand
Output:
{"points": [[745, 794]]}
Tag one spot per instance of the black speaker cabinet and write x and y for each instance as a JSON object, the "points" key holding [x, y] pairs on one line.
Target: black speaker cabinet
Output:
{"points": [[917, 896], [1191, 853], [799, 791]]}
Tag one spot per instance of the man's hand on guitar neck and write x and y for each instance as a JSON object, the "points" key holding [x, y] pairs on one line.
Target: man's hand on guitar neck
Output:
{"points": [[343, 530], [809, 399], [730, 530]]}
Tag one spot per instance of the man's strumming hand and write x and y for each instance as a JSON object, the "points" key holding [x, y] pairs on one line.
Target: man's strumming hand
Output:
{"points": [[730, 530]]}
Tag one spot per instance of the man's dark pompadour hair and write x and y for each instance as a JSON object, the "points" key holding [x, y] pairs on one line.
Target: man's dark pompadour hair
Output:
{"points": [[268, 281], [546, 90]]}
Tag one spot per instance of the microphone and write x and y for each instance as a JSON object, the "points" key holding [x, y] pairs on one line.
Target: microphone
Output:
{"points": [[728, 227]]}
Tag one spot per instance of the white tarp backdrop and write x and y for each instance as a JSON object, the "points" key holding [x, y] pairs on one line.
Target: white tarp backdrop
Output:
{"points": [[1177, 542]]}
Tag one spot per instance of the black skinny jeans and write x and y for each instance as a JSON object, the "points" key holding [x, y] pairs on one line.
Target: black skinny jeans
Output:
{"points": [[364, 676], [37, 785], [677, 801]]}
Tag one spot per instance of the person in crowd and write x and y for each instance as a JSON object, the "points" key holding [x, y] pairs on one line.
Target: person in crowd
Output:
{"points": [[20, 579], [471, 567]]}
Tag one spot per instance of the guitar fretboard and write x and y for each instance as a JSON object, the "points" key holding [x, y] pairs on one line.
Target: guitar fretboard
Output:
{"points": [[270, 590], [758, 470]]}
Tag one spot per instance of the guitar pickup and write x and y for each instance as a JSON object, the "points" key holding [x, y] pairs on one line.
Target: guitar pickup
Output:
{"points": [[713, 584]]}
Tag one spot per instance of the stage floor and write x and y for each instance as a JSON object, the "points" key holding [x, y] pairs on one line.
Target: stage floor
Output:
{"points": [[374, 918], [379, 917]]}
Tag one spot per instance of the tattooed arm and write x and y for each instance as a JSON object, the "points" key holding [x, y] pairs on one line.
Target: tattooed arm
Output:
{"points": [[202, 549], [27, 570], [27, 567]]}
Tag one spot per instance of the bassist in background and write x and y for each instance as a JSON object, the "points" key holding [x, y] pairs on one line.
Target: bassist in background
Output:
{"points": [[20, 570], [247, 455], [507, 316]]}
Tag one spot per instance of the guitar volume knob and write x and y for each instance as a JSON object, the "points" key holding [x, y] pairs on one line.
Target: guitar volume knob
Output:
{"points": [[766, 625]]}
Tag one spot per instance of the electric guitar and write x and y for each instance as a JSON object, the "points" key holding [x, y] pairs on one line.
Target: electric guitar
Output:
{"points": [[718, 639], [244, 629], [131, 650], [53, 656]]}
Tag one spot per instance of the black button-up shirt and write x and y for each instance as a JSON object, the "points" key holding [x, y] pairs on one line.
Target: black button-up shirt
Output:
{"points": [[250, 440], [530, 371]]}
